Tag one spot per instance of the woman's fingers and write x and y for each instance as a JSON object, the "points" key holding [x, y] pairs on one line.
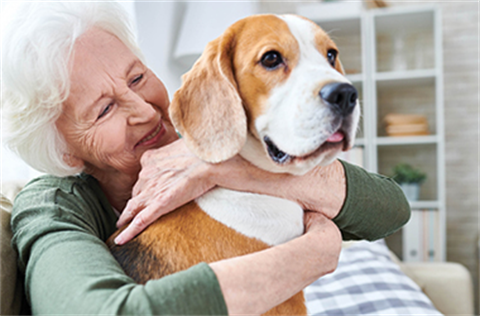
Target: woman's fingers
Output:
{"points": [[145, 208], [316, 221], [159, 203], [160, 195], [133, 207], [144, 193], [313, 220], [138, 224]]}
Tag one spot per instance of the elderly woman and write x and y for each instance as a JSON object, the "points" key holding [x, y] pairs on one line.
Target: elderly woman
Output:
{"points": [[82, 105]]}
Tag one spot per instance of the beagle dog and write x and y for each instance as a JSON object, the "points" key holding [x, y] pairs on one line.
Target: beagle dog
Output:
{"points": [[273, 90]]}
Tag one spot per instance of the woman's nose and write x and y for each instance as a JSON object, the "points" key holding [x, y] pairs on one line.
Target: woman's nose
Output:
{"points": [[140, 111]]}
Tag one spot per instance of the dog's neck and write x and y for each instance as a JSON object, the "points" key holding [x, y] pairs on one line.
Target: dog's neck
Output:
{"points": [[269, 219]]}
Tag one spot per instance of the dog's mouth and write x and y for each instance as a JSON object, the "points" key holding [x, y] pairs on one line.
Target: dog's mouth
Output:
{"points": [[339, 140]]}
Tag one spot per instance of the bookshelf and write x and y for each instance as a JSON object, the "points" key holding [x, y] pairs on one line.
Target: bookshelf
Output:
{"points": [[393, 56]]}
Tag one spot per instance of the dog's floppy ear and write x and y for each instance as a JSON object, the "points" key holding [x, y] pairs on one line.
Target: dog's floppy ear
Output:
{"points": [[207, 110]]}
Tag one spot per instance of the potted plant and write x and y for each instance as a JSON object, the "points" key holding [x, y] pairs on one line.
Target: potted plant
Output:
{"points": [[409, 179]]}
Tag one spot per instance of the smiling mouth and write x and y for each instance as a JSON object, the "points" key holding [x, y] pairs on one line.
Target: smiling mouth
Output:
{"points": [[151, 135], [336, 140]]}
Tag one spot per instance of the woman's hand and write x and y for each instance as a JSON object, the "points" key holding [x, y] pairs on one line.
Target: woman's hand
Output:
{"points": [[170, 177], [287, 268]]}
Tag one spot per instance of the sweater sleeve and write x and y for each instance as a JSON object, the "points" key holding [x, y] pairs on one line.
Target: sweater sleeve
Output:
{"points": [[374, 207], [59, 228]]}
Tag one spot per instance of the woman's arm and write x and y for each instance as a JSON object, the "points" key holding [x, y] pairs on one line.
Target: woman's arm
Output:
{"points": [[59, 225], [364, 205], [374, 207], [59, 230], [283, 270]]}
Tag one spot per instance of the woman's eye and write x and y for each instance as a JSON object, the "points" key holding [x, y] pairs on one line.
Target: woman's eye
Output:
{"points": [[137, 79], [105, 110], [271, 60], [332, 57]]}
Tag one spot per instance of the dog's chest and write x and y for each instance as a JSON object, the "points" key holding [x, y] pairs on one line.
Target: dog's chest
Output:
{"points": [[269, 219]]}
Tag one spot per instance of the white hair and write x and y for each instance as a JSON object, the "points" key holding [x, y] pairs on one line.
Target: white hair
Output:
{"points": [[37, 45]]}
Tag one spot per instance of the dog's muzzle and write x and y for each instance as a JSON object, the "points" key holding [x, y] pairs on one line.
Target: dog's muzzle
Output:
{"points": [[341, 97]]}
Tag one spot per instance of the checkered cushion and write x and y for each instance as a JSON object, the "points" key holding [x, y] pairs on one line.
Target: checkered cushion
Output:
{"points": [[367, 282]]}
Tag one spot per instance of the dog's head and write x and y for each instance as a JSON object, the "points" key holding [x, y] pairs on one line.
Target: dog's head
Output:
{"points": [[271, 88]]}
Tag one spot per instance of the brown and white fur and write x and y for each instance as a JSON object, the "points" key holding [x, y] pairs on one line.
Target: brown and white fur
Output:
{"points": [[278, 118]]}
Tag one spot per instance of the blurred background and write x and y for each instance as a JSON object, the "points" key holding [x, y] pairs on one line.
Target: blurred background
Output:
{"points": [[415, 65]]}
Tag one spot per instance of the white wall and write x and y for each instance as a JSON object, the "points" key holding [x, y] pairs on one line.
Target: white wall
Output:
{"points": [[157, 24]]}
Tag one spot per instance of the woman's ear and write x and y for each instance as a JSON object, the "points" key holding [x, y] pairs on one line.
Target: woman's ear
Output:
{"points": [[207, 110]]}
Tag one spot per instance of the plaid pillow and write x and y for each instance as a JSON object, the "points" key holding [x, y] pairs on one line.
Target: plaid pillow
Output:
{"points": [[367, 282]]}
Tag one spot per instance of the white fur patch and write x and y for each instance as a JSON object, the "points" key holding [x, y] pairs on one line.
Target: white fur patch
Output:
{"points": [[269, 219]]}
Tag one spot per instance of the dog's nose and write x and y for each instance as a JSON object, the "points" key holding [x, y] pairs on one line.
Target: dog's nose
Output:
{"points": [[341, 96]]}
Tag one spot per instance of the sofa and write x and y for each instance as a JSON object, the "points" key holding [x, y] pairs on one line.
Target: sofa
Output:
{"points": [[369, 280]]}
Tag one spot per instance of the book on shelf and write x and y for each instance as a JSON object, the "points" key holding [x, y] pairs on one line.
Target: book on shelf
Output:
{"points": [[406, 124], [421, 236]]}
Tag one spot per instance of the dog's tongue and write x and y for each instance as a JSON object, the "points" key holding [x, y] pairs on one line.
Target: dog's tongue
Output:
{"points": [[335, 137]]}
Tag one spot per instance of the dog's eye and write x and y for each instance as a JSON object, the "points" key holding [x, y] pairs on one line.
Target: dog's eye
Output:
{"points": [[271, 60], [332, 56]]}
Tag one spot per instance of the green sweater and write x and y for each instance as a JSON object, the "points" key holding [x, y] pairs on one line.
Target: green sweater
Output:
{"points": [[60, 226]]}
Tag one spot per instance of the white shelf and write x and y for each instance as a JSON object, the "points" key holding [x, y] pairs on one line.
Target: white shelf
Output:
{"points": [[407, 140], [406, 74], [406, 78], [424, 205]]}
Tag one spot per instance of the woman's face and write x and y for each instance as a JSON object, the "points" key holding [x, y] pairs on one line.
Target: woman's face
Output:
{"points": [[116, 109]]}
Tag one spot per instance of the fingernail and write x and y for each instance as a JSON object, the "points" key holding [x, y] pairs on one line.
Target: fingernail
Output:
{"points": [[118, 241]]}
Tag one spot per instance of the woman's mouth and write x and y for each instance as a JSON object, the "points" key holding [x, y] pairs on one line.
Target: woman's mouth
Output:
{"points": [[152, 136]]}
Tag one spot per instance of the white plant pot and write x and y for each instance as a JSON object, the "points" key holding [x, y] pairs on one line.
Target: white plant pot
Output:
{"points": [[411, 190]]}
